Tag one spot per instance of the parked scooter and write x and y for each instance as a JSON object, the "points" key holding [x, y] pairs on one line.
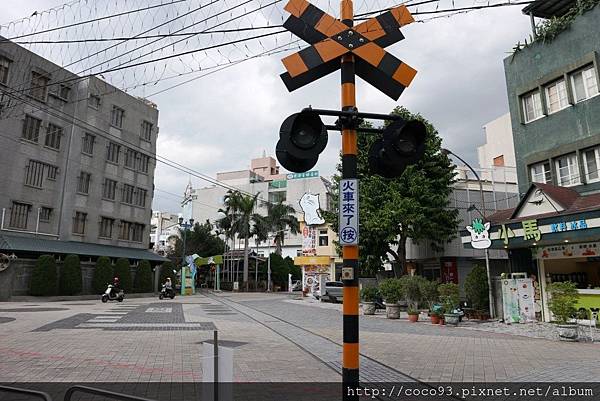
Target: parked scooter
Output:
{"points": [[379, 303], [166, 292], [111, 295]]}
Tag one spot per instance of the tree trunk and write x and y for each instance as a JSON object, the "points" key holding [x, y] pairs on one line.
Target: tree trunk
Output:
{"points": [[399, 263], [278, 246], [256, 270], [245, 278]]}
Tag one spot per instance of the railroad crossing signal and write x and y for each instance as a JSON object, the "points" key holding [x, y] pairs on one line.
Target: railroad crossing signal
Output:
{"points": [[331, 39]]}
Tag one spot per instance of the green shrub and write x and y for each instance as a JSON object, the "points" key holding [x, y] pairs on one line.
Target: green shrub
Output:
{"points": [[476, 288], [103, 275], [563, 298], [369, 294], [391, 290], [166, 270], [143, 277], [44, 280], [123, 272], [70, 276], [411, 291], [449, 296], [429, 292]]}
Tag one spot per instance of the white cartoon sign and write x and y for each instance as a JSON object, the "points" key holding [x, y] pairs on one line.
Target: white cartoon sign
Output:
{"points": [[310, 206], [480, 234]]}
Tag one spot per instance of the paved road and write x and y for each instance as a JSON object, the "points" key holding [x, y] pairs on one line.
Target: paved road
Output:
{"points": [[278, 339]]}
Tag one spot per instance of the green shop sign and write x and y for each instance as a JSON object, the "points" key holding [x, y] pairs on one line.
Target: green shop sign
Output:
{"points": [[308, 174]]}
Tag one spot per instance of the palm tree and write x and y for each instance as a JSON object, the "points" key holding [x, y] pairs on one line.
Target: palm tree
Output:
{"points": [[241, 209], [260, 230], [281, 217]]}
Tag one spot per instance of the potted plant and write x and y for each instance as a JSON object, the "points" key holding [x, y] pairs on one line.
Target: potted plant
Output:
{"points": [[450, 297], [411, 292], [563, 298], [429, 293], [368, 296], [477, 291], [391, 292]]}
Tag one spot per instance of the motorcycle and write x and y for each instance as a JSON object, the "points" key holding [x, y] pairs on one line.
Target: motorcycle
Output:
{"points": [[110, 295], [379, 303], [166, 292]]}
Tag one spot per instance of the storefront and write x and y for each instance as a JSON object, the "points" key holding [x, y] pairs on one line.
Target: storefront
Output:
{"points": [[315, 270], [553, 234]]}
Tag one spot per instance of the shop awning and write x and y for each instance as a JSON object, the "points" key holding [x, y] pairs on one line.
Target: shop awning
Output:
{"points": [[21, 244], [546, 215], [312, 260], [549, 8]]}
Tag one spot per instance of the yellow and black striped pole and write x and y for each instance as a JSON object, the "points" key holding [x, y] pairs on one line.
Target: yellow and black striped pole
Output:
{"points": [[350, 356]]}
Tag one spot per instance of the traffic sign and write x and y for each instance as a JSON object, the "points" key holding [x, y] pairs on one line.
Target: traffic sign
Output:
{"points": [[348, 212], [331, 39]]}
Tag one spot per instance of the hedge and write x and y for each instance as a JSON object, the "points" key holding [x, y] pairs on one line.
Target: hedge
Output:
{"points": [[123, 272], [103, 275], [143, 277], [44, 280], [70, 282]]}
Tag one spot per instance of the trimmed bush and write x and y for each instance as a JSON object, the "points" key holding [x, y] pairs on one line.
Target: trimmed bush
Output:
{"points": [[44, 280], [166, 270], [476, 288], [449, 296], [563, 300], [70, 276], [103, 275], [391, 290], [429, 292], [369, 294], [123, 272], [143, 277]]}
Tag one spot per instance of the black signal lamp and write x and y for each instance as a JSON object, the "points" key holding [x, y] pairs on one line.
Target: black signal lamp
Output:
{"points": [[302, 137]]}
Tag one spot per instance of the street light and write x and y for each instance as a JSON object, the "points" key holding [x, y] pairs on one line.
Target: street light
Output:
{"points": [[185, 227], [487, 254]]}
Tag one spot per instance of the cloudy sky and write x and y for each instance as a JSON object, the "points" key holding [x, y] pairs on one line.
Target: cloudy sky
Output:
{"points": [[221, 121]]}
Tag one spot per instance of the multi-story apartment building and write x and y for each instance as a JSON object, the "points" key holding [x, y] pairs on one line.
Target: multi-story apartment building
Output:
{"points": [[555, 107], [78, 157]]}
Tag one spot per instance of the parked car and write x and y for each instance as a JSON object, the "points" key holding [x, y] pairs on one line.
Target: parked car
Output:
{"points": [[334, 291]]}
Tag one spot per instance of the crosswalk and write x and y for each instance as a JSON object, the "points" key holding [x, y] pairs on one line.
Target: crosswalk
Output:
{"points": [[113, 315]]}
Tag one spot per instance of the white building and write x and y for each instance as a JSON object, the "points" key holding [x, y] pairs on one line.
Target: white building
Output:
{"points": [[264, 179], [498, 152], [164, 225]]}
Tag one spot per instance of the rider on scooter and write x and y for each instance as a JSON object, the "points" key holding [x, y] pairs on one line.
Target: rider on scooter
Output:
{"points": [[116, 286], [168, 285]]}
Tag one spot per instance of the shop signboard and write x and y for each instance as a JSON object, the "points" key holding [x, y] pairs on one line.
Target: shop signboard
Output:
{"points": [[526, 295], [449, 271], [510, 301], [349, 212], [308, 174], [309, 239], [582, 250]]}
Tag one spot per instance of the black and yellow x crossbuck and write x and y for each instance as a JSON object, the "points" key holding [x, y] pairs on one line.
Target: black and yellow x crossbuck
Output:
{"points": [[331, 39]]}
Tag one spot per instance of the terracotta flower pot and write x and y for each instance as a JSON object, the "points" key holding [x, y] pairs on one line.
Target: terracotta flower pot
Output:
{"points": [[435, 319], [413, 318]]}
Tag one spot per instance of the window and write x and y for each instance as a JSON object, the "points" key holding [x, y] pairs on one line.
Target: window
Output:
{"points": [[34, 174], [112, 152], [127, 193], [116, 117], [541, 172], [83, 183], [276, 197], [591, 158], [19, 214], [146, 130], [106, 226], [4, 68], [499, 161], [125, 230], [130, 158], [94, 101], [584, 83], [568, 172], [140, 197], [138, 232], [110, 189], [556, 93], [143, 163], [63, 92], [88, 143], [31, 128], [53, 135], [323, 238], [45, 213], [52, 172], [39, 86], [79, 223], [532, 106]]}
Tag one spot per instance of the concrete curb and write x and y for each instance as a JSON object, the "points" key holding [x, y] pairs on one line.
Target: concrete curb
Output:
{"points": [[28, 298]]}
